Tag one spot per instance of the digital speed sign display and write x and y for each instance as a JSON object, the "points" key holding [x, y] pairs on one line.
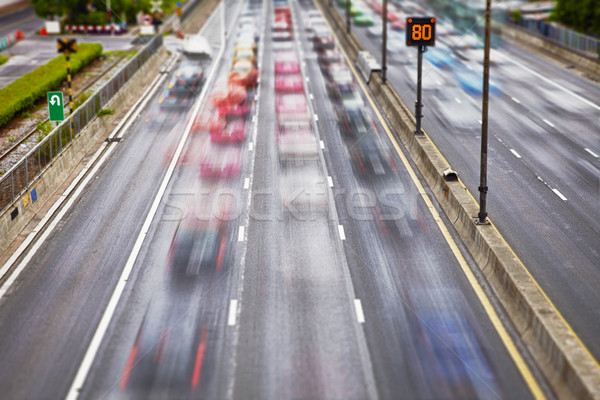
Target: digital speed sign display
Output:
{"points": [[420, 31]]}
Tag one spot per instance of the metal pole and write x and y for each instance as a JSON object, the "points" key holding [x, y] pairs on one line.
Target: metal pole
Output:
{"points": [[418, 104], [348, 17], [70, 91], [483, 188], [384, 44]]}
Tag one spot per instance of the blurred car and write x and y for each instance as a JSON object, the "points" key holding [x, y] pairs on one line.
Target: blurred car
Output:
{"points": [[328, 57], [225, 94], [340, 70], [196, 46], [282, 25], [188, 80], [249, 31], [289, 122], [370, 156], [246, 43], [288, 83], [207, 122], [364, 19], [471, 81], [290, 103], [234, 130], [197, 247], [322, 40], [244, 54], [287, 62], [441, 56], [297, 146], [243, 73], [282, 36], [174, 101], [350, 111], [340, 82], [220, 161]]}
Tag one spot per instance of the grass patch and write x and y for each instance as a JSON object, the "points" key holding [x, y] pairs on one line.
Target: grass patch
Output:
{"points": [[24, 92], [82, 98], [26, 114], [44, 128], [3, 59], [105, 111], [121, 53]]}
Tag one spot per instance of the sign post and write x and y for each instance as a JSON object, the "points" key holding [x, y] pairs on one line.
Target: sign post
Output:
{"points": [[420, 32], [56, 109], [68, 46]]}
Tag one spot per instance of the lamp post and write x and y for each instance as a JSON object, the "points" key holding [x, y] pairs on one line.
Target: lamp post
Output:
{"points": [[348, 16], [384, 43], [483, 188]]}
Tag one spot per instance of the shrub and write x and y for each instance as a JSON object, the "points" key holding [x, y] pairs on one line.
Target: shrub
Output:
{"points": [[23, 92], [105, 111], [3, 59]]}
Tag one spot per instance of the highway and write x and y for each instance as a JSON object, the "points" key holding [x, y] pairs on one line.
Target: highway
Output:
{"points": [[543, 156], [200, 265]]}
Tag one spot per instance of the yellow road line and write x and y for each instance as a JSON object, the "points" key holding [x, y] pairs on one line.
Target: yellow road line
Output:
{"points": [[18, 22], [485, 302]]}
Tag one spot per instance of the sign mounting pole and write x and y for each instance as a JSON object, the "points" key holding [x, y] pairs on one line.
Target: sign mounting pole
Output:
{"points": [[420, 32]]}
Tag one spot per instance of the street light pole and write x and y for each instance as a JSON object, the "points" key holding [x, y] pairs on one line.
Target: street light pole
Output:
{"points": [[348, 16], [384, 44], [483, 188]]}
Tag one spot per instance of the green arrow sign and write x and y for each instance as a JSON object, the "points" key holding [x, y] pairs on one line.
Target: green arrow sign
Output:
{"points": [[56, 106]]}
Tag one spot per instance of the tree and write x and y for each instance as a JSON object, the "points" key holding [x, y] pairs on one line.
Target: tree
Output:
{"points": [[581, 15]]}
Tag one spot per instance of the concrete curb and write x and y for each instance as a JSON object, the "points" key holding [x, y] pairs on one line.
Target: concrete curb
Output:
{"points": [[97, 131], [564, 360]]}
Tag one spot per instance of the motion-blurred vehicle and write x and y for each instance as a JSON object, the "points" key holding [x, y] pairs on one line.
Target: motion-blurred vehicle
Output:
{"points": [[340, 82], [287, 62], [441, 56], [246, 43], [282, 26], [220, 161], [282, 36], [196, 46], [340, 70], [198, 247], [233, 130], [290, 103], [173, 101], [297, 146], [328, 57], [471, 81], [243, 73], [288, 83], [363, 19], [370, 156], [188, 80], [244, 54], [229, 99], [322, 40]]}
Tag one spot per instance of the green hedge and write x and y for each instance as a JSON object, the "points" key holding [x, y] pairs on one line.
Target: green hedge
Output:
{"points": [[25, 91]]}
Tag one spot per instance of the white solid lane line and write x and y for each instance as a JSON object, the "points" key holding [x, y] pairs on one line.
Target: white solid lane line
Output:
{"points": [[330, 181], [559, 194], [233, 306], [241, 234], [548, 122], [360, 315], [592, 153], [515, 153]]}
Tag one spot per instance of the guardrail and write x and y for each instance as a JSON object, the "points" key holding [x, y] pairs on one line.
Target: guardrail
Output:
{"points": [[18, 179], [563, 36]]}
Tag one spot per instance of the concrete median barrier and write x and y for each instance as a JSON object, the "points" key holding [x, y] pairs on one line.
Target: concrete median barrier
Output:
{"points": [[566, 363]]}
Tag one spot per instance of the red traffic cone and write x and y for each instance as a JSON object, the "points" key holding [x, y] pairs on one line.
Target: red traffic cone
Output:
{"points": [[43, 32], [179, 34]]}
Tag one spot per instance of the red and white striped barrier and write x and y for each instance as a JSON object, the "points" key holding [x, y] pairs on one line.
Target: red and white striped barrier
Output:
{"points": [[103, 29]]}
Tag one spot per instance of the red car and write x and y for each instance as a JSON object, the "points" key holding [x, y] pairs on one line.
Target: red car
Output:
{"points": [[220, 161], [243, 73], [287, 62], [288, 83], [290, 103], [232, 131]]}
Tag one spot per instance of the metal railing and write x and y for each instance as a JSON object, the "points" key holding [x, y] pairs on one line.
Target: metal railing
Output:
{"points": [[563, 36], [18, 179]]}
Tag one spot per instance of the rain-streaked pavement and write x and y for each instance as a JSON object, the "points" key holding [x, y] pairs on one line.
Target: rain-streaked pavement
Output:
{"points": [[543, 165], [266, 273]]}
